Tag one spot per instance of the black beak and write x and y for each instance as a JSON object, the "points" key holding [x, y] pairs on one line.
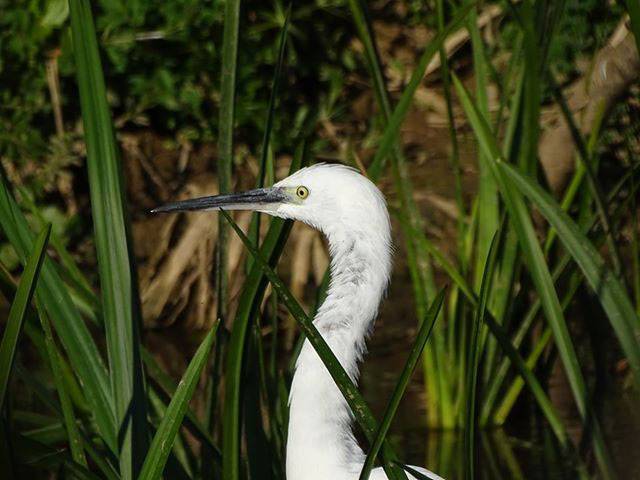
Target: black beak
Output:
{"points": [[250, 200]]}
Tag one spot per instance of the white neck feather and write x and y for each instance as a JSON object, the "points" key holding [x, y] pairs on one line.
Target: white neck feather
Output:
{"points": [[320, 442]]}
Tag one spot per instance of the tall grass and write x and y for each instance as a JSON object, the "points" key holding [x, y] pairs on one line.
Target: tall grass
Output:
{"points": [[115, 413]]}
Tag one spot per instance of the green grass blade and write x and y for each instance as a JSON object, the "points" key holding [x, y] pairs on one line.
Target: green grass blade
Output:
{"points": [[115, 257], [351, 394], [392, 129], [415, 473], [423, 282], [488, 213], [512, 393], [586, 158], [79, 471], [225, 144], [18, 311], [166, 387], [71, 426], [275, 86], [530, 379], [559, 270], [537, 266], [414, 355], [165, 436], [365, 31], [635, 248], [473, 355], [250, 298], [454, 157], [72, 273], [226, 118], [178, 462], [265, 158], [607, 287]]}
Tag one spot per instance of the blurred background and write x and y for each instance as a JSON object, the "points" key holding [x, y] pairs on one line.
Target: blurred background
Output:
{"points": [[573, 97]]}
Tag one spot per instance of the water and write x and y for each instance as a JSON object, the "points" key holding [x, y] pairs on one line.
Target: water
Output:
{"points": [[525, 449]]}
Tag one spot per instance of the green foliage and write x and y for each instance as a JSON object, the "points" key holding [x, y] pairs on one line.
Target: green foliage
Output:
{"points": [[165, 66], [161, 65], [585, 27]]}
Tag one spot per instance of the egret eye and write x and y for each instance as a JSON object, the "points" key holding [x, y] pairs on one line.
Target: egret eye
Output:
{"points": [[302, 192]]}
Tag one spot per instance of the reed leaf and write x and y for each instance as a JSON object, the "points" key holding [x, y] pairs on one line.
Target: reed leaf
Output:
{"points": [[18, 311], [225, 143], [67, 322], [55, 361], [473, 355], [392, 130], [537, 266], [392, 406], [118, 282], [167, 431], [606, 286]]}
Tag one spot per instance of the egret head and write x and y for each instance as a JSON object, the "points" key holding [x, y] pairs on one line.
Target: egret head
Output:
{"points": [[334, 199]]}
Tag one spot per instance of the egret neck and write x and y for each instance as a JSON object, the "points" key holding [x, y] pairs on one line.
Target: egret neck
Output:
{"points": [[320, 443]]}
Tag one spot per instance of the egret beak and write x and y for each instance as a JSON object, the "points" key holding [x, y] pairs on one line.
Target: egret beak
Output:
{"points": [[258, 199]]}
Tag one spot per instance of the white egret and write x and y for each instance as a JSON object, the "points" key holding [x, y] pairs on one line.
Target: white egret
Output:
{"points": [[351, 212]]}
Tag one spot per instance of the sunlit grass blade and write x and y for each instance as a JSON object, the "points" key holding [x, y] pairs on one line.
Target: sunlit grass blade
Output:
{"points": [[530, 379], [474, 357], [607, 287], [414, 355], [512, 393], [163, 440], [537, 266], [417, 474], [488, 205], [560, 269], [423, 282], [351, 394], [18, 311], [70, 422], [396, 118], [118, 283]]}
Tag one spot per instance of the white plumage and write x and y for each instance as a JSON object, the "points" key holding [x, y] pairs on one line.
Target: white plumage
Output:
{"points": [[351, 212]]}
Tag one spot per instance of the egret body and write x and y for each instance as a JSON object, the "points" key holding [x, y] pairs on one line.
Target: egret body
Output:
{"points": [[351, 212]]}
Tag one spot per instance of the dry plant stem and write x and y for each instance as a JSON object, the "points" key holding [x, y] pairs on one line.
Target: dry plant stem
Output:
{"points": [[461, 37], [615, 68], [53, 81]]}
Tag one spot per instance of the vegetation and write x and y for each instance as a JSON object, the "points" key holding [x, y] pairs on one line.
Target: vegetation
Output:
{"points": [[82, 392]]}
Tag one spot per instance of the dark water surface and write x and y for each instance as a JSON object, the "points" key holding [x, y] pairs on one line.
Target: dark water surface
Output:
{"points": [[524, 449]]}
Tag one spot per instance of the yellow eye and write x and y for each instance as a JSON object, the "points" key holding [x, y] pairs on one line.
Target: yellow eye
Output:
{"points": [[302, 192]]}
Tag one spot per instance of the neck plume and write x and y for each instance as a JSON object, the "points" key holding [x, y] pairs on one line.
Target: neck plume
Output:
{"points": [[320, 442]]}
